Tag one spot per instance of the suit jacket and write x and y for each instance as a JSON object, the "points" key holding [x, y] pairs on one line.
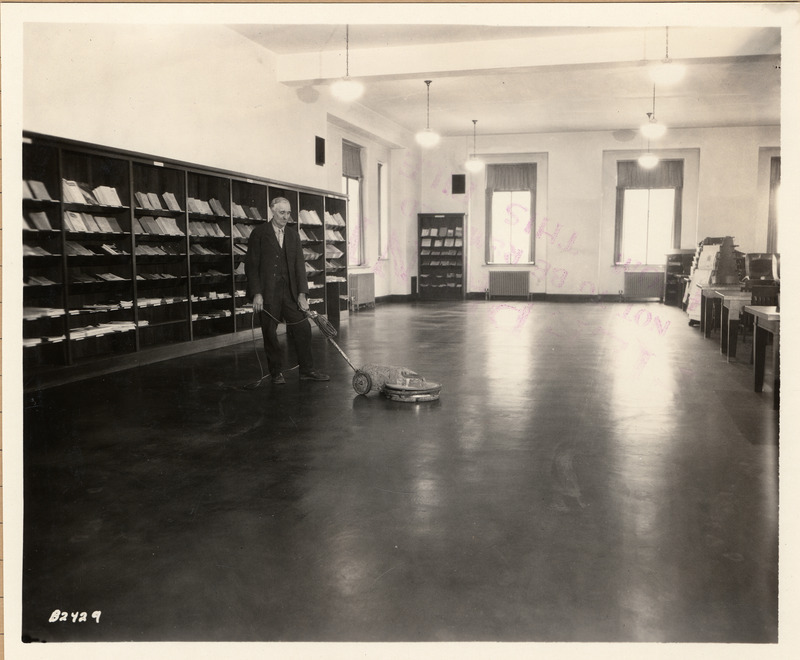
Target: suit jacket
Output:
{"points": [[262, 263]]}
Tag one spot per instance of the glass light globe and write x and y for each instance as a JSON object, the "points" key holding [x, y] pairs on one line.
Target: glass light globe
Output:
{"points": [[653, 130], [427, 138], [473, 164], [648, 160], [347, 89]]}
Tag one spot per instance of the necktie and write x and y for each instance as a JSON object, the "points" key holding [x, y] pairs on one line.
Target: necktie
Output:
{"points": [[280, 237]]}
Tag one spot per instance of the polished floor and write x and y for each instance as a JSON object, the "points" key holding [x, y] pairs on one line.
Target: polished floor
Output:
{"points": [[591, 473]]}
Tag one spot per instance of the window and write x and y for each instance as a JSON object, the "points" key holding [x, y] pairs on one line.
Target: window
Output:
{"points": [[648, 219], [352, 188], [510, 213], [774, 203], [383, 212], [510, 232], [352, 175]]}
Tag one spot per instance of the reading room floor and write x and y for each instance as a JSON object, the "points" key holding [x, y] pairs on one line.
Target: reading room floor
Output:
{"points": [[590, 473]]}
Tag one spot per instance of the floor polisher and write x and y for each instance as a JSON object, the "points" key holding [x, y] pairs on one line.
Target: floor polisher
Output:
{"points": [[395, 383]]}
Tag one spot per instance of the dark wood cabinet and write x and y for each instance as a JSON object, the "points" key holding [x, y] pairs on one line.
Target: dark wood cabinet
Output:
{"points": [[441, 256], [678, 269], [129, 257]]}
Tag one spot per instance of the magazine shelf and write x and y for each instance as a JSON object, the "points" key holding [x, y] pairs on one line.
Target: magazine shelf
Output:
{"points": [[125, 252]]}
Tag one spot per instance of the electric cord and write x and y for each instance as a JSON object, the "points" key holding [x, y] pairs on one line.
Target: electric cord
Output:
{"points": [[252, 386], [325, 326]]}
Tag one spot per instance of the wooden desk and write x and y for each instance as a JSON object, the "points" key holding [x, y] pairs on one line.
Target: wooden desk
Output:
{"points": [[711, 303], [732, 304], [767, 321]]}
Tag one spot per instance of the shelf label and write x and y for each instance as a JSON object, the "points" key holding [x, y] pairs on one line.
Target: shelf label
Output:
{"points": [[158, 163]]}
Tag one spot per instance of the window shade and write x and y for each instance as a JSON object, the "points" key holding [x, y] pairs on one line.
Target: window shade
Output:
{"points": [[667, 174], [520, 176], [351, 160], [503, 178]]}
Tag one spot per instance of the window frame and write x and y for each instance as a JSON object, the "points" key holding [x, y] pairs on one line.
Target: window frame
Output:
{"points": [[490, 199], [358, 225], [489, 219], [773, 213], [353, 169], [677, 219], [383, 211]]}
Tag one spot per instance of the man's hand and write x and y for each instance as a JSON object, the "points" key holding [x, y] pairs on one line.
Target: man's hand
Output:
{"points": [[258, 303], [302, 302]]}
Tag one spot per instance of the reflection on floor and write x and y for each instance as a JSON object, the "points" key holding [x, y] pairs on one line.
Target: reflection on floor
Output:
{"points": [[591, 472]]}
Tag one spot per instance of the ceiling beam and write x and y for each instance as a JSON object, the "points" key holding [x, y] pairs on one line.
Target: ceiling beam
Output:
{"points": [[625, 46]]}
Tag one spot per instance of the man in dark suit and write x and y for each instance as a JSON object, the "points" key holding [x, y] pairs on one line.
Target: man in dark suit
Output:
{"points": [[277, 284]]}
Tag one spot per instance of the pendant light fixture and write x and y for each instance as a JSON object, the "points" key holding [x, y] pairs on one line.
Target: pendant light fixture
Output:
{"points": [[428, 138], [667, 72], [474, 164], [653, 130], [346, 89], [648, 160]]}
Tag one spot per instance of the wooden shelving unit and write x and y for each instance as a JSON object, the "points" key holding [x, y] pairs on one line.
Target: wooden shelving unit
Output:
{"points": [[441, 256], [130, 258]]}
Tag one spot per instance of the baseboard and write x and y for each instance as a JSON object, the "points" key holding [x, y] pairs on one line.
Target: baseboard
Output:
{"points": [[641, 299], [580, 298], [64, 375], [533, 297], [549, 297], [396, 298]]}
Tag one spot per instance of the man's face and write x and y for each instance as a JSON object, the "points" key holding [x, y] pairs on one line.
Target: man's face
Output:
{"points": [[281, 213]]}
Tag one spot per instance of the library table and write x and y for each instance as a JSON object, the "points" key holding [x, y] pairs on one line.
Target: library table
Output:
{"points": [[732, 303], [767, 321], [710, 304]]}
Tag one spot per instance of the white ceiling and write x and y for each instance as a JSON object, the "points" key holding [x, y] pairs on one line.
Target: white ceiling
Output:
{"points": [[536, 79]]}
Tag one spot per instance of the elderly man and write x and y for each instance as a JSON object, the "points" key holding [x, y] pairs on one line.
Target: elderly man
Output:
{"points": [[277, 284]]}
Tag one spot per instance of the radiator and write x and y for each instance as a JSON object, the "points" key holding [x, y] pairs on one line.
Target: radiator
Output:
{"points": [[362, 289], [641, 286], [508, 283]]}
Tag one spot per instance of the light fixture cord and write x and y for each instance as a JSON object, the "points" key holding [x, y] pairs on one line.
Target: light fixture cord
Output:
{"points": [[347, 50], [428, 122], [474, 137], [647, 234], [654, 101], [667, 29]]}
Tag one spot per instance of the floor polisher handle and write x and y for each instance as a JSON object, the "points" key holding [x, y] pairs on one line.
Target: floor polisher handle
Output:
{"points": [[327, 329]]}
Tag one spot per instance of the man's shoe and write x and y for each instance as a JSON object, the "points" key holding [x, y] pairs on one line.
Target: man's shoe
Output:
{"points": [[314, 375], [278, 379]]}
